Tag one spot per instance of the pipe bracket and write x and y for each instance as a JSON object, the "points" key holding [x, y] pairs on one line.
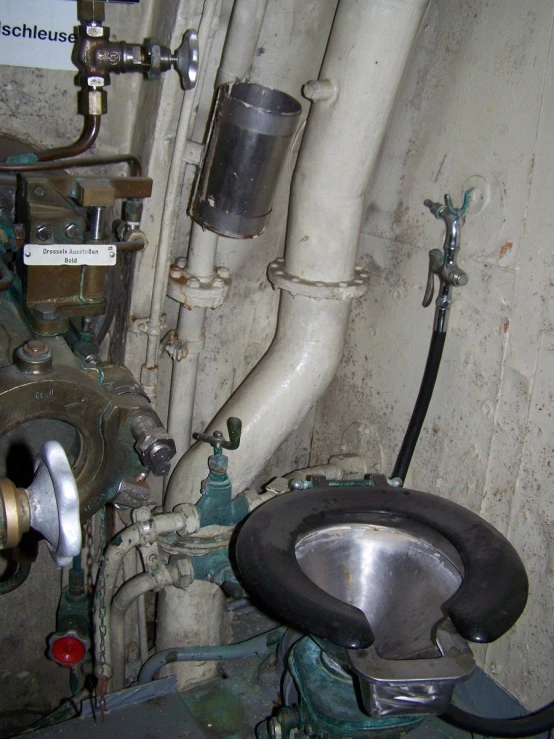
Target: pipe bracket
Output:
{"points": [[344, 290]]}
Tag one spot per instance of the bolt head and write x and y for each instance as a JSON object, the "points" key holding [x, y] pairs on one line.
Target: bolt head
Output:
{"points": [[34, 358], [156, 448], [72, 230], [45, 311], [185, 573], [36, 348], [44, 232]]}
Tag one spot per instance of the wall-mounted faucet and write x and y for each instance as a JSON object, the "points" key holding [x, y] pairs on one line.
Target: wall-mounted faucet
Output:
{"points": [[443, 263]]}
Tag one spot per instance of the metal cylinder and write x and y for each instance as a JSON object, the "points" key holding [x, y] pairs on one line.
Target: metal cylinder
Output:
{"points": [[253, 127]]}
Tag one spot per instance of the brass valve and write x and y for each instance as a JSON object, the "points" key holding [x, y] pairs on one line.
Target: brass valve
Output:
{"points": [[15, 514], [96, 57]]}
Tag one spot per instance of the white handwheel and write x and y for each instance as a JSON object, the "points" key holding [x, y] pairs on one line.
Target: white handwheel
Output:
{"points": [[54, 504]]}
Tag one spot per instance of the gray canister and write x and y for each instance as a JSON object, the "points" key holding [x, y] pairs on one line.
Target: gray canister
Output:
{"points": [[252, 130]]}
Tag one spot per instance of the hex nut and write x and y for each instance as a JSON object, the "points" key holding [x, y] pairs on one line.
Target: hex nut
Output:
{"points": [[44, 232], [191, 518], [184, 572], [156, 449], [153, 51], [72, 231], [132, 494], [32, 362], [36, 348], [46, 311]]}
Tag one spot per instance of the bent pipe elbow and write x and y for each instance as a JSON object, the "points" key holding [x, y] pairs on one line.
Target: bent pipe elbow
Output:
{"points": [[272, 401]]}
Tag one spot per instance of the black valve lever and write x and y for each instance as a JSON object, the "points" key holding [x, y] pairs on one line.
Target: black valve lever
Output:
{"points": [[218, 441]]}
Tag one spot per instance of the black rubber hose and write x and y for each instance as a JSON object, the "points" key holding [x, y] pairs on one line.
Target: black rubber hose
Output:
{"points": [[528, 725], [422, 405], [17, 579]]}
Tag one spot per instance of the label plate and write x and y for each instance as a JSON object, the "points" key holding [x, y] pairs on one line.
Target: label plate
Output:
{"points": [[40, 33], [57, 255]]}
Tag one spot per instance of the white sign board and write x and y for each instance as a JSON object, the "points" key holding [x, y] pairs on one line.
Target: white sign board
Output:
{"points": [[55, 255], [37, 33]]}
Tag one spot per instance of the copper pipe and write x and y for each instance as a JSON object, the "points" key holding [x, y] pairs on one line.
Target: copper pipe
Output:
{"points": [[91, 129], [136, 244], [135, 165]]}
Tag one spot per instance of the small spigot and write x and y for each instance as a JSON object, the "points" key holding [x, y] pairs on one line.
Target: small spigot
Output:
{"points": [[218, 442], [216, 504], [443, 263]]}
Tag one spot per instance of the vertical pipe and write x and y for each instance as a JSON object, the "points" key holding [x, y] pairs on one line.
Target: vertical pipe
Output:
{"points": [[241, 40], [190, 328], [149, 370], [238, 52]]}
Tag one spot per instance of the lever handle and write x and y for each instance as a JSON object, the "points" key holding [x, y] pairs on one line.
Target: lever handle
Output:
{"points": [[436, 263], [218, 442]]}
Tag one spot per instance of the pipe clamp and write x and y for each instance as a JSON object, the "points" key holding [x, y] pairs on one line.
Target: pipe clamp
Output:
{"points": [[344, 290]]}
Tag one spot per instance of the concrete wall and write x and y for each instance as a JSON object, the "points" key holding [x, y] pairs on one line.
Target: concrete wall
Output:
{"points": [[475, 107]]}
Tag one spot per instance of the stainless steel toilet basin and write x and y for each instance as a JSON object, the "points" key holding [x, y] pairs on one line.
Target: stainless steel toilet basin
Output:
{"points": [[398, 572]]}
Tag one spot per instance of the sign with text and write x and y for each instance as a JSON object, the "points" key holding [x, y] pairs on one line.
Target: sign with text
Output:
{"points": [[39, 33], [56, 255]]}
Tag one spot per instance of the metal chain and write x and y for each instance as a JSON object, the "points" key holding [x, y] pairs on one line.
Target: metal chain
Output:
{"points": [[101, 585], [102, 684]]}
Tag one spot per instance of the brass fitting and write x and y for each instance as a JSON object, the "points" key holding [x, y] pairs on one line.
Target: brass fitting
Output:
{"points": [[15, 514], [91, 11]]}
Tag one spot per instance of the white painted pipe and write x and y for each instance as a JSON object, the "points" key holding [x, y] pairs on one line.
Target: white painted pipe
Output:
{"points": [[141, 618], [132, 589], [241, 40], [367, 52], [120, 546], [171, 203], [236, 60], [276, 396], [190, 329], [365, 59]]}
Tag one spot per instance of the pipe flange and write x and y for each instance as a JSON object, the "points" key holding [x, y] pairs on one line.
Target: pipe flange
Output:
{"points": [[194, 293], [345, 290]]}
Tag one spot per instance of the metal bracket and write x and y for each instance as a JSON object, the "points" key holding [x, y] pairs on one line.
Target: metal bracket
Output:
{"points": [[149, 549], [141, 325], [344, 290]]}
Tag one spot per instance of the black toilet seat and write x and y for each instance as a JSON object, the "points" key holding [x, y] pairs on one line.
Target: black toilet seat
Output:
{"points": [[489, 601]]}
